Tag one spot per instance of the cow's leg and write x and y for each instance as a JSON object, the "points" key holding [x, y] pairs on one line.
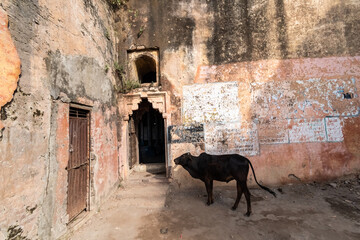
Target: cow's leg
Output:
{"points": [[239, 193], [211, 191], [208, 185], [247, 196]]}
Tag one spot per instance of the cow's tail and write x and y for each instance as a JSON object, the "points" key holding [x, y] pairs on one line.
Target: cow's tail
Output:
{"points": [[263, 187]]}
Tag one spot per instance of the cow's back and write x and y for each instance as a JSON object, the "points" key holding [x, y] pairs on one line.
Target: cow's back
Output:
{"points": [[223, 167]]}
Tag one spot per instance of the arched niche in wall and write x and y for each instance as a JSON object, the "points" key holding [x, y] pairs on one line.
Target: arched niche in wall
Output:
{"points": [[146, 69], [143, 66]]}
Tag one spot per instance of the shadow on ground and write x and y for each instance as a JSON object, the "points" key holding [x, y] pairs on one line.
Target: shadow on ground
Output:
{"points": [[148, 207]]}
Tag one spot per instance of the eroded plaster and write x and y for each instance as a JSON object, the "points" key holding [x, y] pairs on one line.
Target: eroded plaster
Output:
{"points": [[9, 63]]}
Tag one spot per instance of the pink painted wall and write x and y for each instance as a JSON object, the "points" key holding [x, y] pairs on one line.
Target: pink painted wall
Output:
{"points": [[294, 116]]}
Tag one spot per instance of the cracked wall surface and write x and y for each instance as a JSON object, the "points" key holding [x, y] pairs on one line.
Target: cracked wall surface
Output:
{"points": [[275, 80], [64, 48]]}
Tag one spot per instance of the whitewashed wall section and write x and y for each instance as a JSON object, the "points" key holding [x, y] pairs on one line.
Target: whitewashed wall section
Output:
{"points": [[316, 130], [277, 106], [213, 102], [328, 129], [333, 128], [216, 105]]}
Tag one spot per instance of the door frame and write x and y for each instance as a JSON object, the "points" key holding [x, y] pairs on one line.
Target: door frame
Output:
{"points": [[159, 101]]}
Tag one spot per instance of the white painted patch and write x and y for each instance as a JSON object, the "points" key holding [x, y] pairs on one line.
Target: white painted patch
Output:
{"points": [[231, 138], [212, 102], [334, 129], [307, 130]]}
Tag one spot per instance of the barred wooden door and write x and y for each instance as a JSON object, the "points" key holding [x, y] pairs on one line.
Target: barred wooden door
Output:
{"points": [[132, 143], [78, 165]]}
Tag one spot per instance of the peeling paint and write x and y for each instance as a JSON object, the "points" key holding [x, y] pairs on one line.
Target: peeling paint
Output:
{"points": [[307, 130], [216, 102], [273, 132], [230, 138]]}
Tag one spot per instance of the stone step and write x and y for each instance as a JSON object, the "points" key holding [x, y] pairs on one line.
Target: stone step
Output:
{"points": [[145, 177], [150, 168]]}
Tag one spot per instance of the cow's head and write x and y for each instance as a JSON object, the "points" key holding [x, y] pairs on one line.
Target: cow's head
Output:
{"points": [[183, 160]]}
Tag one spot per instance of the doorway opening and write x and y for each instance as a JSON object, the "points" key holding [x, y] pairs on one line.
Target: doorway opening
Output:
{"points": [[147, 137]]}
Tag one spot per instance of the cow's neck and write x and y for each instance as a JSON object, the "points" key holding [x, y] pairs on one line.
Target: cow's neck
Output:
{"points": [[193, 169]]}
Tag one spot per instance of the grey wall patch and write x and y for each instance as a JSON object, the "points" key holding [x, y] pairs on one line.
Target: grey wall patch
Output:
{"points": [[186, 134], [78, 76]]}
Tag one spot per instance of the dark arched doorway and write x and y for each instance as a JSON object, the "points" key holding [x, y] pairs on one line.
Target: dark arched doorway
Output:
{"points": [[146, 135]]}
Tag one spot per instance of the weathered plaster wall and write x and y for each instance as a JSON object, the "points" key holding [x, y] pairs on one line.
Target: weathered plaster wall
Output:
{"points": [[64, 47], [283, 103], [9, 63], [276, 80]]}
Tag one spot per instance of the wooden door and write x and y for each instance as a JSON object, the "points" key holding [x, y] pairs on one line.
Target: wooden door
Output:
{"points": [[78, 165], [132, 143]]}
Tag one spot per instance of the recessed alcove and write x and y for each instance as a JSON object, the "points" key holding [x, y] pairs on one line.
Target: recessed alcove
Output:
{"points": [[146, 69], [143, 66]]}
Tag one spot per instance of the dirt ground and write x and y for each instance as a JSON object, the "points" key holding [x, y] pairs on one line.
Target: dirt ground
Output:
{"points": [[148, 207]]}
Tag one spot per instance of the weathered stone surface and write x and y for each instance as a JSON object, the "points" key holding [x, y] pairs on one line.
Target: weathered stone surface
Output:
{"points": [[64, 47], [9, 63], [276, 80]]}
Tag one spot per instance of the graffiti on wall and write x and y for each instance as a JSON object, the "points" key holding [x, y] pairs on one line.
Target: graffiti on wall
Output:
{"points": [[271, 102], [333, 127], [186, 134], [231, 138], [307, 130], [273, 131]]}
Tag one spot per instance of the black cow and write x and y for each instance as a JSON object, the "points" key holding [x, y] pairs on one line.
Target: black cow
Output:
{"points": [[222, 168]]}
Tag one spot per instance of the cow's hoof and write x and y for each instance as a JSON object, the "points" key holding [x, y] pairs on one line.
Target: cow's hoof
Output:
{"points": [[247, 214], [208, 203], [233, 208]]}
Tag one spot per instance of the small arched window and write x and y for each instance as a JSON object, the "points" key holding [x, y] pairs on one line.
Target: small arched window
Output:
{"points": [[146, 69]]}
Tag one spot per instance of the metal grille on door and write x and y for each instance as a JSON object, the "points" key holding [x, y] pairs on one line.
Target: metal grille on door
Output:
{"points": [[78, 165]]}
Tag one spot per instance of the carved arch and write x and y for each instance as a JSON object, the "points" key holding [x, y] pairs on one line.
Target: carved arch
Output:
{"points": [[159, 101]]}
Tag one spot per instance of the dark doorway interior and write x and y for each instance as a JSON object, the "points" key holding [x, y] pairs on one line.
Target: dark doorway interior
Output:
{"points": [[150, 133], [146, 69]]}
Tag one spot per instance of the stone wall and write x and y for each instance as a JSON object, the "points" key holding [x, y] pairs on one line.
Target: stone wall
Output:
{"points": [[276, 80], [65, 49]]}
